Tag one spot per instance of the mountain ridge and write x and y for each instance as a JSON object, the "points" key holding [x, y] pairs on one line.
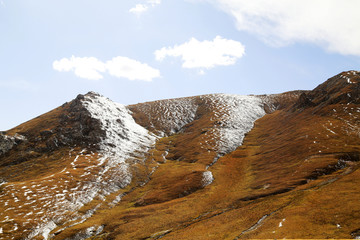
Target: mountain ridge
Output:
{"points": [[191, 160]]}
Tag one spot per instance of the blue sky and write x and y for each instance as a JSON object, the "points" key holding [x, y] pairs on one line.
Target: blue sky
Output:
{"points": [[136, 51]]}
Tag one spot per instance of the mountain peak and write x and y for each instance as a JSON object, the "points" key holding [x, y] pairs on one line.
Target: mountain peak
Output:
{"points": [[343, 88], [93, 167]]}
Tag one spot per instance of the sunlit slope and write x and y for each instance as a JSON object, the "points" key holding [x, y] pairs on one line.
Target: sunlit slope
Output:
{"points": [[215, 166], [62, 167], [58, 168], [295, 176]]}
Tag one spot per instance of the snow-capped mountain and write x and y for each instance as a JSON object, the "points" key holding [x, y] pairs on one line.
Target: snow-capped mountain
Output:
{"points": [[215, 166]]}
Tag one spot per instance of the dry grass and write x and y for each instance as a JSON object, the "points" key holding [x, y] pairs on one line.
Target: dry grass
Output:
{"points": [[285, 181], [279, 171]]}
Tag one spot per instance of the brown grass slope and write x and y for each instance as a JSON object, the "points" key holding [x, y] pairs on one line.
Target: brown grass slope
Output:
{"points": [[57, 155], [34, 164], [49, 138], [295, 176]]}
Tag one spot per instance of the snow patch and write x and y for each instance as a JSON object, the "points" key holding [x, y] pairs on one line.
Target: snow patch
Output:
{"points": [[236, 115], [281, 223], [171, 115], [123, 134], [43, 230], [255, 226], [124, 143], [207, 178], [89, 232]]}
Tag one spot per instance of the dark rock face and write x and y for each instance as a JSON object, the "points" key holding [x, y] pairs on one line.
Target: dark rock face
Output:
{"points": [[8, 142], [72, 126], [343, 88], [77, 127], [303, 102]]}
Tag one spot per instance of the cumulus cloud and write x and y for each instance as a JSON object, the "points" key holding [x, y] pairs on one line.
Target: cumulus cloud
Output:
{"points": [[131, 69], [204, 54], [121, 67], [83, 67], [331, 24], [139, 9], [143, 7]]}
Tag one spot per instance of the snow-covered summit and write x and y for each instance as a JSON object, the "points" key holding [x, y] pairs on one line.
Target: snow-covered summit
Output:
{"points": [[122, 133], [122, 144]]}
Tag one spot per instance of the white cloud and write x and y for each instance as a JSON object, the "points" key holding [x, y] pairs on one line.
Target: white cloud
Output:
{"points": [[139, 9], [331, 24], [131, 69], [205, 54], [83, 67], [121, 67], [154, 2], [143, 7]]}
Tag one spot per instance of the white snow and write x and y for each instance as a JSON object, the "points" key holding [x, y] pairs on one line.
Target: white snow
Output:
{"points": [[236, 117], [164, 155], [256, 225], [125, 143], [28, 214], [171, 114], [281, 223], [207, 178], [123, 134], [117, 199], [43, 229], [328, 129], [347, 78]]}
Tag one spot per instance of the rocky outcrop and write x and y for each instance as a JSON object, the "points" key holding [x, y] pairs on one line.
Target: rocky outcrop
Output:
{"points": [[303, 102], [77, 126], [343, 88], [74, 126], [68, 126], [280, 101], [8, 142]]}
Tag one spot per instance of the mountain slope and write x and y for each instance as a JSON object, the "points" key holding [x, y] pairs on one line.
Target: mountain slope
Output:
{"points": [[67, 158], [190, 168]]}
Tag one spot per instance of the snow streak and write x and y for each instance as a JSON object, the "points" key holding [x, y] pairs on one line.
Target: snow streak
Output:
{"points": [[55, 199], [48, 203], [236, 116]]}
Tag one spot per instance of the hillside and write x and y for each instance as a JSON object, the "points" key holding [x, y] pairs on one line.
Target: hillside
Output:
{"points": [[215, 166]]}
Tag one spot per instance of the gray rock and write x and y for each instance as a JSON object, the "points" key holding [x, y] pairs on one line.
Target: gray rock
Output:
{"points": [[8, 142]]}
